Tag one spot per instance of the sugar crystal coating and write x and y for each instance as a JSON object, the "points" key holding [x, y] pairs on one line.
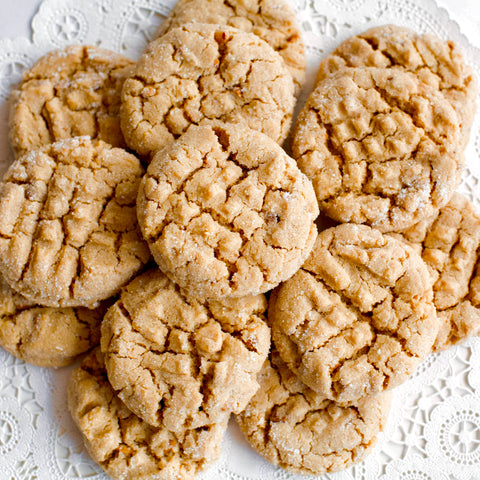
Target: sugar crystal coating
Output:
{"points": [[44, 336], [300, 430], [68, 93], [126, 447], [450, 246], [358, 317], [272, 20], [226, 212], [68, 230], [381, 147], [198, 73], [179, 363], [436, 62]]}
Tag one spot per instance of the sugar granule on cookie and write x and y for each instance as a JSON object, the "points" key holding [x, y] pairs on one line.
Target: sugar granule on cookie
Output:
{"points": [[126, 447], [198, 73], [474, 293], [69, 234], [179, 363], [44, 336], [68, 93], [298, 429], [381, 147], [358, 317], [436, 62], [272, 20], [450, 246], [226, 212]]}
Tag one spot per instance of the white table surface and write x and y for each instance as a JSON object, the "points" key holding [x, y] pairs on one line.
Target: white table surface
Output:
{"points": [[16, 15]]}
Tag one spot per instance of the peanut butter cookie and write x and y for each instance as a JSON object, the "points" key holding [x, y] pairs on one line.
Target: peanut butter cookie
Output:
{"points": [[69, 93], [436, 62], [197, 73], [298, 429], [380, 147], [179, 363], [46, 337], [358, 317], [226, 212], [450, 246], [126, 447], [272, 20], [68, 230], [474, 288]]}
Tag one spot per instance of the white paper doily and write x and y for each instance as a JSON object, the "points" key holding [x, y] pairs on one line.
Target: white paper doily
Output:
{"points": [[434, 429]]}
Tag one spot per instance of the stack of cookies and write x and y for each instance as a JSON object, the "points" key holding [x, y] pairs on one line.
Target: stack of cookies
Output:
{"points": [[69, 234], [178, 157], [381, 137]]}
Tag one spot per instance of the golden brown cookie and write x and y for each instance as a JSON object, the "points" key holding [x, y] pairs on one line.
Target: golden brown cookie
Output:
{"points": [[450, 246], [381, 147], [68, 229], [226, 212], [69, 93], [198, 73], [272, 20], [436, 62], [296, 428], [179, 363], [358, 317], [474, 292], [126, 447], [46, 337]]}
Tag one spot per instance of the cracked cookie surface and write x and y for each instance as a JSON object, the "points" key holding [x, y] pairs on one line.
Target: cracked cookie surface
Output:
{"points": [[68, 231], [358, 317], [438, 63], [450, 246], [271, 20], [226, 212], [198, 73], [179, 363], [126, 447], [296, 428], [43, 336], [380, 147], [69, 93]]}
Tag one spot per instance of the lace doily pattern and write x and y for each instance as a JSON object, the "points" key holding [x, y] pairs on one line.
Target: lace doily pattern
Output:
{"points": [[434, 429], [453, 436], [413, 468], [16, 432]]}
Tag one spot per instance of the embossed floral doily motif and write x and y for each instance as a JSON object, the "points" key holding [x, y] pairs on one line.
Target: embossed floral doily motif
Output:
{"points": [[434, 429]]}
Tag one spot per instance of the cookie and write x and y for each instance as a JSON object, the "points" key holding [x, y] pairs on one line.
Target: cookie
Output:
{"points": [[358, 317], [179, 363], [126, 447], [46, 337], [68, 93], [381, 148], [450, 246], [474, 292], [198, 73], [226, 212], [438, 63], [296, 428], [272, 20], [68, 230]]}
